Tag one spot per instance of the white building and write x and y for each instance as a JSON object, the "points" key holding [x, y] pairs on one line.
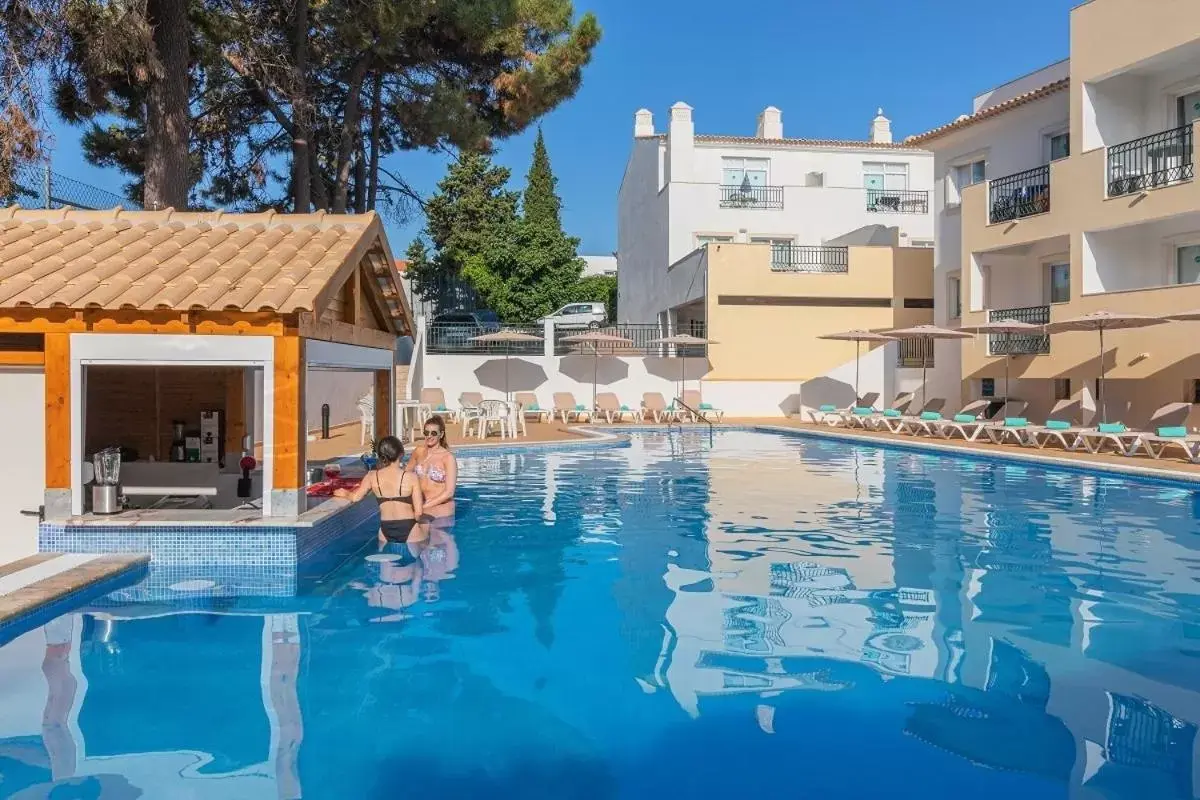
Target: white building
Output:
{"points": [[600, 265], [682, 190]]}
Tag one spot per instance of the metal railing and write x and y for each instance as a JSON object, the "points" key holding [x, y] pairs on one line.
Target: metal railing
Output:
{"points": [[639, 336], [449, 337], [1022, 194], [751, 197], [1150, 162], [1013, 344], [809, 258], [37, 186], [915, 353], [898, 201]]}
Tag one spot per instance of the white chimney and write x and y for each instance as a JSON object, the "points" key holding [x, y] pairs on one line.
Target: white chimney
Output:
{"points": [[770, 123], [643, 123], [681, 143], [881, 128]]}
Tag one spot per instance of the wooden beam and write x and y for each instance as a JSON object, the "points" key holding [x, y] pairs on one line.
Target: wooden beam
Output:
{"points": [[235, 415], [310, 327], [21, 358], [288, 408], [58, 411], [383, 403]]}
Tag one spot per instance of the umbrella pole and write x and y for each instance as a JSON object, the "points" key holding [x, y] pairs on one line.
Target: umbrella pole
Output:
{"points": [[924, 364], [1007, 361], [507, 394], [857, 357], [1100, 389], [682, 376], [595, 374]]}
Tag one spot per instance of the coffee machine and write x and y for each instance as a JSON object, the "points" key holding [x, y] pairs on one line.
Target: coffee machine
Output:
{"points": [[106, 491]]}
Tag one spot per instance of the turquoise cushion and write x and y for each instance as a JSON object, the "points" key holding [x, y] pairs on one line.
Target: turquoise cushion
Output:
{"points": [[930, 416], [706, 407], [1174, 432], [533, 407], [828, 409], [891, 412], [1057, 425], [1111, 427], [625, 408], [1015, 422], [963, 418], [859, 411], [441, 407], [580, 407]]}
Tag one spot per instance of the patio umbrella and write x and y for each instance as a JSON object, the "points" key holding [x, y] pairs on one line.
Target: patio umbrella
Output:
{"points": [[858, 337], [926, 334], [1004, 327], [1102, 321], [507, 338], [683, 340], [595, 339]]}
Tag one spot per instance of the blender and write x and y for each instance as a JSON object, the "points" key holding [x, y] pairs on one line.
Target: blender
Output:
{"points": [[105, 491]]}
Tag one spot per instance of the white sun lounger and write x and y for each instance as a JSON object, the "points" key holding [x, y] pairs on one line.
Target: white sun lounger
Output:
{"points": [[1127, 441]]}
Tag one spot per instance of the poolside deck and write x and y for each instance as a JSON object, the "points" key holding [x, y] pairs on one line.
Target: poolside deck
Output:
{"points": [[33, 585]]}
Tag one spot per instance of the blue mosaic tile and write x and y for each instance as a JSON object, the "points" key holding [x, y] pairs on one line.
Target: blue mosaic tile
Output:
{"points": [[12, 628]]}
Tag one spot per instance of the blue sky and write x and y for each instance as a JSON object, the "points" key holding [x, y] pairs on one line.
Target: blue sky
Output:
{"points": [[827, 65]]}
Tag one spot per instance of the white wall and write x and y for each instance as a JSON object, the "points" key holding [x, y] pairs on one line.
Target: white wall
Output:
{"points": [[1129, 106], [1135, 257], [599, 265], [341, 389], [641, 235], [1019, 86]]}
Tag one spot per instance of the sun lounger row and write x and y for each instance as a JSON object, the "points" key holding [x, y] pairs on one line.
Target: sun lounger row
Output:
{"points": [[1066, 426], [608, 408]]}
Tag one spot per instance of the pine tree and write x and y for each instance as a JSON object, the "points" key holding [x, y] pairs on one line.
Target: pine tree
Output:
{"points": [[540, 203]]}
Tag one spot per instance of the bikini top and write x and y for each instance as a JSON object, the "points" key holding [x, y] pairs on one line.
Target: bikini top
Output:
{"points": [[399, 499], [436, 474]]}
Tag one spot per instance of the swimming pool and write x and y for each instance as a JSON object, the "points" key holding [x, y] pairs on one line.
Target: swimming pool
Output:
{"points": [[751, 615]]}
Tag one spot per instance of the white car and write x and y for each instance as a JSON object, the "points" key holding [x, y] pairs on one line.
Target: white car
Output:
{"points": [[578, 315]]}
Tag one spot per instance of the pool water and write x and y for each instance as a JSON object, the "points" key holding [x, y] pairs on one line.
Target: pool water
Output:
{"points": [[744, 615]]}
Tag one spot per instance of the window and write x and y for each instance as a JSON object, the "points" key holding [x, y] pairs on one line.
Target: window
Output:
{"points": [[778, 241], [713, 238], [1058, 282], [885, 176], [1195, 393], [1187, 264], [814, 179], [987, 387], [1189, 108], [926, 243], [962, 176], [744, 171], [954, 292], [1062, 389], [1060, 145]]}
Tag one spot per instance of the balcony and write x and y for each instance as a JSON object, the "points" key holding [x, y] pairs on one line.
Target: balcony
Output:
{"points": [[746, 196], [915, 353], [809, 258], [1151, 162], [1009, 344], [1020, 195], [898, 201]]}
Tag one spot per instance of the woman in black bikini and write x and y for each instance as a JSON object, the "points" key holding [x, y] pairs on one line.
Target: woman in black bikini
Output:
{"points": [[398, 493]]}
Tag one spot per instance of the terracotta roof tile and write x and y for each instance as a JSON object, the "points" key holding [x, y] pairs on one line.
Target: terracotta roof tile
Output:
{"points": [[991, 111], [115, 259]]}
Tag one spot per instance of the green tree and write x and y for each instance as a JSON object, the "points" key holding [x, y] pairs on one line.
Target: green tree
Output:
{"points": [[540, 203], [598, 289]]}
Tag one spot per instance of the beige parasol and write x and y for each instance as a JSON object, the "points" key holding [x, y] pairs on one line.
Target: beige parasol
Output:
{"points": [[507, 338], [1007, 328], [858, 337], [683, 340], [1102, 321], [926, 333], [595, 339]]}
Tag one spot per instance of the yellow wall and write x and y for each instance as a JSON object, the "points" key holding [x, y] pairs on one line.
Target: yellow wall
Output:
{"points": [[779, 342]]}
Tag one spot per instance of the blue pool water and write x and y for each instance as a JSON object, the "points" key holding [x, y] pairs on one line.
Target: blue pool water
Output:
{"points": [[751, 616]]}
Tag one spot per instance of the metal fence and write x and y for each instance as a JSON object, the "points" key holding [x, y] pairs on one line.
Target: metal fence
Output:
{"points": [[809, 258], [898, 201], [1022, 194], [1152, 161], [751, 197], [915, 353], [442, 338], [40, 187], [1009, 344], [460, 338]]}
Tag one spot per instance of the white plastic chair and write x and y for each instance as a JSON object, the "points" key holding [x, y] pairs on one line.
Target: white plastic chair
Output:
{"points": [[495, 413], [366, 418]]}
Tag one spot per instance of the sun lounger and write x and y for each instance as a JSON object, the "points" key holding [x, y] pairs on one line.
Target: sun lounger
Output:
{"points": [[609, 407], [691, 398], [566, 407], [655, 407], [1127, 441], [528, 403], [1058, 426], [914, 423], [830, 414], [1166, 438], [436, 400], [865, 417], [972, 429], [967, 423]]}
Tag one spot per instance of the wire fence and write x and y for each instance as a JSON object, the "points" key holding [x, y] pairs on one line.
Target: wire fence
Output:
{"points": [[624, 339], [37, 186]]}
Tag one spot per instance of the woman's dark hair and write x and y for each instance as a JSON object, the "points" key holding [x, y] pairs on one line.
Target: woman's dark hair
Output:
{"points": [[389, 449], [439, 423]]}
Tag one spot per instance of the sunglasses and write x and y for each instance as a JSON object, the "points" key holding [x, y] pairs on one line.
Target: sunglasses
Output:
{"points": [[431, 433]]}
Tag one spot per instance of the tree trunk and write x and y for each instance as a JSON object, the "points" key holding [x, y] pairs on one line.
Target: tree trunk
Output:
{"points": [[351, 135], [376, 126], [168, 118], [360, 182], [301, 110]]}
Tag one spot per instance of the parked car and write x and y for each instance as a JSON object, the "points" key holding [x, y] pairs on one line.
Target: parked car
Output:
{"points": [[454, 330], [578, 315]]}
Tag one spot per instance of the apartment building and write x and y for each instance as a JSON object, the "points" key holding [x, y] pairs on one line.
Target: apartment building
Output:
{"points": [[1072, 190], [755, 240]]}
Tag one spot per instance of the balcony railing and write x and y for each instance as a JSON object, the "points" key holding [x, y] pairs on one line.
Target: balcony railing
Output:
{"points": [[898, 201], [751, 197], [809, 258], [915, 353], [1021, 195], [1010, 344], [1150, 162]]}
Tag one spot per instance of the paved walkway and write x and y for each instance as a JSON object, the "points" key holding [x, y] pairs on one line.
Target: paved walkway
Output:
{"points": [[32, 583]]}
